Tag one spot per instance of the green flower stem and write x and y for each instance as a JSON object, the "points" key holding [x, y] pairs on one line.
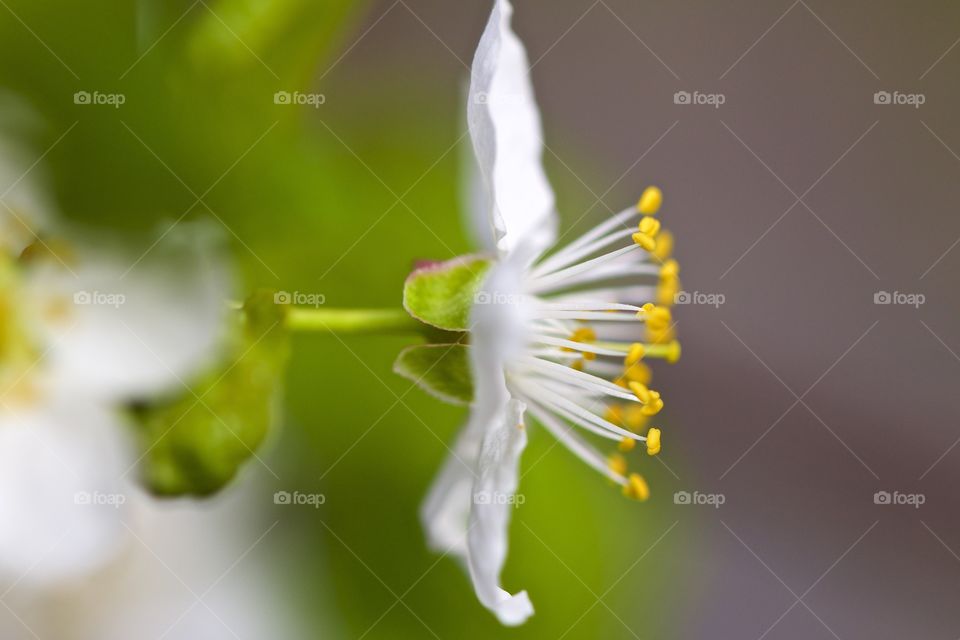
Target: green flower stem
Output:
{"points": [[351, 321]]}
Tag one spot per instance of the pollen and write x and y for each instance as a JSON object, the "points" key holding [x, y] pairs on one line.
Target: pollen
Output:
{"points": [[641, 391], [656, 317], [634, 419], [653, 406], [636, 488], [627, 444], [617, 464], [670, 269], [646, 242], [634, 355], [649, 226], [650, 201], [653, 441], [664, 246], [614, 415], [638, 372]]}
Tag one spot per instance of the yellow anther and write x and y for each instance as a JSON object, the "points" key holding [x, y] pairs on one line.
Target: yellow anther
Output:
{"points": [[636, 488], [649, 226], [635, 354], [614, 414], [641, 391], [670, 269], [653, 441], [633, 418], [658, 336], [617, 464], [621, 381], [638, 372], [577, 364], [667, 292], [627, 444], [664, 248], [653, 405], [673, 351], [648, 243], [656, 317], [650, 201], [583, 334]]}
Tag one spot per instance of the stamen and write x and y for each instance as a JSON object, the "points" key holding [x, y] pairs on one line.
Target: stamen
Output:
{"points": [[636, 488], [566, 435], [578, 414], [557, 278], [617, 464], [653, 441], [650, 201]]}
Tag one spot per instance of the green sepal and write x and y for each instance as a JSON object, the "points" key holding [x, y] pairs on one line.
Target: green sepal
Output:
{"points": [[442, 293], [196, 442], [442, 370]]}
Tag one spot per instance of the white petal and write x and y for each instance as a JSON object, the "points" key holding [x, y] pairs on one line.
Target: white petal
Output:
{"points": [[493, 499], [136, 333], [508, 142], [61, 494], [446, 510]]}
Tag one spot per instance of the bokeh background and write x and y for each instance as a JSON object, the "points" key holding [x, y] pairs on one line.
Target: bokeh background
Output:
{"points": [[798, 199]]}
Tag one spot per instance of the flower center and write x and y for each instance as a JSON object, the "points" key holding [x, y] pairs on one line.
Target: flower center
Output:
{"points": [[601, 310]]}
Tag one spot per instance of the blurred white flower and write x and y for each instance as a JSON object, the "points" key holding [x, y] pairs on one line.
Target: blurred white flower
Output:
{"points": [[84, 330], [560, 336], [190, 570]]}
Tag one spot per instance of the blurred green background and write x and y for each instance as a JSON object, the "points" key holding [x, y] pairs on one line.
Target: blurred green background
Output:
{"points": [[337, 200]]}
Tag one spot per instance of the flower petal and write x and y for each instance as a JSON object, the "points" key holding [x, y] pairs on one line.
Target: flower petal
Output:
{"points": [[493, 500], [517, 202], [61, 492], [132, 334]]}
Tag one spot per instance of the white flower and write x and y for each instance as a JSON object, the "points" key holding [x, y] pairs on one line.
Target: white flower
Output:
{"points": [[79, 338], [559, 336]]}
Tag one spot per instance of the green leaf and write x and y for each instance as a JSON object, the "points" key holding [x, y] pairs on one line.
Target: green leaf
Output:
{"points": [[441, 294], [195, 443], [442, 370]]}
